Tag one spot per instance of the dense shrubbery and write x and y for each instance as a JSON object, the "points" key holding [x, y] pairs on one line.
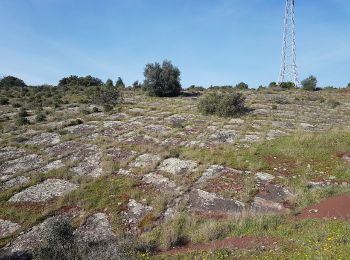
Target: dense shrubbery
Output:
{"points": [[10, 81], [309, 83], [105, 95], [242, 86], [225, 105], [73, 80], [162, 80], [286, 85]]}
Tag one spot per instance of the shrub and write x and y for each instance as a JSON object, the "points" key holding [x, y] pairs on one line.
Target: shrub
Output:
{"points": [[109, 83], [40, 117], [80, 81], [242, 86], [59, 243], [4, 101], [107, 108], [16, 105], [95, 110], [309, 83], [10, 81], [23, 112], [106, 95], [136, 85], [119, 83], [348, 85], [287, 85], [225, 105], [22, 121], [273, 84], [162, 80]]}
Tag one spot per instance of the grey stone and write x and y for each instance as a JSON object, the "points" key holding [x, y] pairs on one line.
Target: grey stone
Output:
{"points": [[146, 160], [44, 191], [22, 164], [7, 227], [45, 139], [177, 166]]}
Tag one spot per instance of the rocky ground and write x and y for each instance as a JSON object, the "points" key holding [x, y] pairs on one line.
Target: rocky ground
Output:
{"points": [[143, 164]]}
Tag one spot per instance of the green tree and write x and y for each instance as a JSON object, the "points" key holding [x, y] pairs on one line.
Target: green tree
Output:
{"points": [[136, 85], [109, 83], [10, 81], [348, 85], [242, 86], [162, 80], [309, 83], [119, 83], [273, 84], [287, 85]]}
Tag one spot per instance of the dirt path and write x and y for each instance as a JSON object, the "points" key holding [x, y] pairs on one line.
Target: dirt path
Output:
{"points": [[332, 208]]}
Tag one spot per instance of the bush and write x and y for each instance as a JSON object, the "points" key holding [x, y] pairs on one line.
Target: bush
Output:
{"points": [[10, 81], [287, 85], [73, 80], [22, 121], [136, 85], [106, 95], [225, 105], [23, 112], [59, 243], [107, 108], [4, 101], [162, 81], [242, 86], [40, 117], [109, 83], [309, 83], [273, 84], [119, 83]]}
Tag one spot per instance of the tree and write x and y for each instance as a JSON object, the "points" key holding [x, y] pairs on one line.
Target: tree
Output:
{"points": [[136, 85], [348, 85], [10, 81], [309, 83], [119, 83], [106, 95], [287, 85], [109, 83], [162, 80], [273, 84], [242, 86], [86, 81]]}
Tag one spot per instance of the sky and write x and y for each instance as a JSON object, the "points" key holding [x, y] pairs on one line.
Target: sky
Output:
{"points": [[212, 42]]}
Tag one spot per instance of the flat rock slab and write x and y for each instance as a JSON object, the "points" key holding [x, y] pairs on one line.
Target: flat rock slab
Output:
{"points": [[88, 162], [223, 136], [45, 139], [139, 140], [159, 181], [54, 165], [177, 166], [214, 171], [274, 192], [157, 129], [135, 213], [204, 201], [120, 154], [146, 160], [36, 235], [22, 164], [64, 149], [7, 227], [8, 153], [44, 191], [81, 129], [97, 228], [19, 180], [263, 206]]}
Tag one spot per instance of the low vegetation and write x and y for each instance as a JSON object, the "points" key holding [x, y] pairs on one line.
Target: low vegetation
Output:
{"points": [[224, 105]]}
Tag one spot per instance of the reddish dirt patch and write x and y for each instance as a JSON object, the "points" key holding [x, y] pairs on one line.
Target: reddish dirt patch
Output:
{"points": [[247, 242], [344, 156], [332, 208], [284, 166]]}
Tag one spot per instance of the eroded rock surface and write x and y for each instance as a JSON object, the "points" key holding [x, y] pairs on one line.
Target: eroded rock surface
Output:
{"points": [[44, 191], [177, 166], [7, 227]]}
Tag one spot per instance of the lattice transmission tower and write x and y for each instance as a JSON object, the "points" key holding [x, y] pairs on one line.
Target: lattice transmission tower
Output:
{"points": [[289, 69]]}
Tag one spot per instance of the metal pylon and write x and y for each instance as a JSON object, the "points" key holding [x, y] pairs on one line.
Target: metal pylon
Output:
{"points": [[289, 70]]}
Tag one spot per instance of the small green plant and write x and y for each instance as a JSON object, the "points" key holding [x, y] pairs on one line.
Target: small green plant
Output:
{"points": [[224, 105], [274, 107], [59, 243], [107, 108], [4, 101], [95, 110], [40, 117]]}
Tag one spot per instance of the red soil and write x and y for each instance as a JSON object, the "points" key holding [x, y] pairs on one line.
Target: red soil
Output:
{"points": [[229, 243], [333, 208]]}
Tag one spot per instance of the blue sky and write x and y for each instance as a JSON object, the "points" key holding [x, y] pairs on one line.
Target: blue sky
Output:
{"points": [[213, 42]]}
